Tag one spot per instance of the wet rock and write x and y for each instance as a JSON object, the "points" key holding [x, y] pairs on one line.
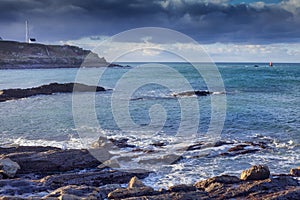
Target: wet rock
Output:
{"points": [[25, 149], [102, 142], [93, 178], [135, 182], [13, 94], [222, 143], [8, 167], [192, 93], [290, 193], [102, 184], [109, 164], [259, 189], [228, 187], [159, 144], [76, 192], [13, 187], [195, 146], [106, 189], [148, 151], [238, 147], [244, 148], [164, 159], [241, 149], [121, 143], [261, 144], [256, 172], [50, 160], [182, 188], [295, 171], [122, 193], [224, 179], [16, 198], [111, 143], [193, 195]]}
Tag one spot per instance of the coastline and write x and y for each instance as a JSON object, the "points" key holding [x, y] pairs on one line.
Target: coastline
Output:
{"points": [[52, 173], [20, 55], [77, 179]]}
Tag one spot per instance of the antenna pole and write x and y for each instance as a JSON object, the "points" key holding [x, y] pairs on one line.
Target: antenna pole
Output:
{"points": [[26, 32]]}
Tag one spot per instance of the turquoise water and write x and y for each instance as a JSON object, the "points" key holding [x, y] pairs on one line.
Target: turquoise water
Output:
{"points": [[262, 105]]}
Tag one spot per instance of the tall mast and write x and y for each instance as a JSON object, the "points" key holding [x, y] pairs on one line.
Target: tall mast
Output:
{"points": [[26, 32]]}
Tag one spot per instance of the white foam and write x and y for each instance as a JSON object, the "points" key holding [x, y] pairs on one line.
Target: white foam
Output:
{"points": [[72, 143]]}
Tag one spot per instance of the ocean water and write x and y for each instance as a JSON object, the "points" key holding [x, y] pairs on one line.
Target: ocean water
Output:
{"points": [[262, 105]]}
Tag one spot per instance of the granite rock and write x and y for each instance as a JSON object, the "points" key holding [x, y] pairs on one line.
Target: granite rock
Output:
{"points": [[8, 167], [256, 172]]}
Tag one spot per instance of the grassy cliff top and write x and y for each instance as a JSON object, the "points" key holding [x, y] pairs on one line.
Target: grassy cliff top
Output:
{"points": [[15, 55]]}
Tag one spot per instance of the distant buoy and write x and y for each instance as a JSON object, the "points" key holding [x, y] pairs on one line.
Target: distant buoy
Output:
{"points": [[270, 64]]}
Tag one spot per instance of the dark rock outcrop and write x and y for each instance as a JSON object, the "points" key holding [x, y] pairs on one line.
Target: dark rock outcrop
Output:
{"points": [[75, 192], [93, 178], [13, 94], [232, 188], [49, 160], [221, 187], [122, 193], [191, 93], [224, 179]]}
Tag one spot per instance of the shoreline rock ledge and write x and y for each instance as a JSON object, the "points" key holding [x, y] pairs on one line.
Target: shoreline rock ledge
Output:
{"points": [[51, 173]]}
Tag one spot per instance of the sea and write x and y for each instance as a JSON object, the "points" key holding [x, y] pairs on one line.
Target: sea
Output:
{"points": [[252, 104]]}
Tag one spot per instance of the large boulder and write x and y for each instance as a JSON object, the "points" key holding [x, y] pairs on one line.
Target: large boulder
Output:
{"points": [[256, 172], [8, 167]]}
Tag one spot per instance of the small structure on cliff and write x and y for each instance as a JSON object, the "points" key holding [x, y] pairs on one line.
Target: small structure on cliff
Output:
{"points": [[32, 40]]}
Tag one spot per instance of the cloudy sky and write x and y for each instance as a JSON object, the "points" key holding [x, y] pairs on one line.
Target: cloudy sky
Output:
{"points": [[229, 30]]}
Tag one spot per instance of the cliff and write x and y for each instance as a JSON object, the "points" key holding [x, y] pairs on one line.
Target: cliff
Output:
{"points": [[18, 55]]}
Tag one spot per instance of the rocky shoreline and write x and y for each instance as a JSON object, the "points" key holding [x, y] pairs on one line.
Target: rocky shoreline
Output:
{"points": [[20, 55], [34, 172]]}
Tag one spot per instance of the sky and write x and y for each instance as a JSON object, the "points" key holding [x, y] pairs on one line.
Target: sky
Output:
{"points": [[229, 30]]}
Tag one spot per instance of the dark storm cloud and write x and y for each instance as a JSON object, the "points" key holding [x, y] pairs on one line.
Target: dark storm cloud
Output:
{"points": [[54, 20]]}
